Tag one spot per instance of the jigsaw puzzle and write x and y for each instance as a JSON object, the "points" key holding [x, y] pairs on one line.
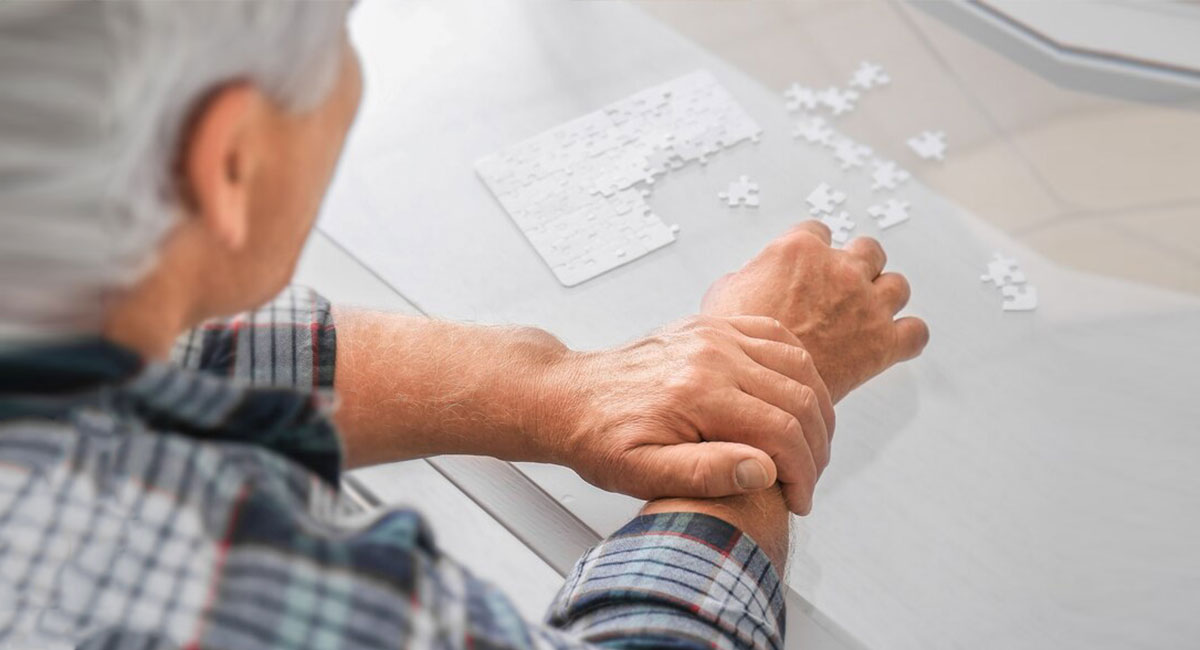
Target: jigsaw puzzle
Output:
{"points": [[1005, 274], [814, 129], [869, 75], [849, 153], [576, 191], [838, 100], [1003, 270], [1019, 298], [885, 175], [743, 191], [840, 226], [892, 212], [824, 199], [800, 97], [930, 145]]}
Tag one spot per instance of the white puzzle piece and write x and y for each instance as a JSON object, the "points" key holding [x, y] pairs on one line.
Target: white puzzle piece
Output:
{"points": [[743, 191], [869, 75], [929, 145], [576, 191], [1005, 274], [824, 199], [850, 154], [838, 100], [1002, 271], [800, 97], [892, 212], [814, 129], [840, 226], [1019, 298], [885, 175]]}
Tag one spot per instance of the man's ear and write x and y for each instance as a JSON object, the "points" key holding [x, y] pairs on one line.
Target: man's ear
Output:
{"points": [[219, 159]]}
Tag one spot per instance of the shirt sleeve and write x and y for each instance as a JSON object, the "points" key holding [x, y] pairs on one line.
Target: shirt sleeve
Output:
{"points": [[663, 581], [289, 342], [674, 580]]}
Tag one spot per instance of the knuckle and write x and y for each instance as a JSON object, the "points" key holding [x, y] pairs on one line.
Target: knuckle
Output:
{"points": [[801, 357], [791, 427], [703, 477], [870, 242], [796, 241], [807, 397]]}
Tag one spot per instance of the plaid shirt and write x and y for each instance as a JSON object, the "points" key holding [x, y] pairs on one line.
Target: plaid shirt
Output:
{"points": [[194, 505]]}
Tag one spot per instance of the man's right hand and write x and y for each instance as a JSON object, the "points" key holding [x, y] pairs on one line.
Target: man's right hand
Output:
{"points": [[839, 303]]}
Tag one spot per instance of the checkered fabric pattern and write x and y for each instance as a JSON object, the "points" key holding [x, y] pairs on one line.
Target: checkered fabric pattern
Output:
{"points": [[194, 505]]}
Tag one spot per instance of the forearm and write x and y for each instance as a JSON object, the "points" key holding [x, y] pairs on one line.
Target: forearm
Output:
{"points": [[412, 387]]}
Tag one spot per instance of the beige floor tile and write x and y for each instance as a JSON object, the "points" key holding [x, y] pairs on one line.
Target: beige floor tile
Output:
{"points": [[1125, 157], [1107, 248]]}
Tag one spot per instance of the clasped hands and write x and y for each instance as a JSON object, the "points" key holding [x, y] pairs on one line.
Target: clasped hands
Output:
{"points": [[741, 396]]}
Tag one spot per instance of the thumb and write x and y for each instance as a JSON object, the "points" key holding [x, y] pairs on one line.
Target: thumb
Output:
{"points": [[701, 469]]}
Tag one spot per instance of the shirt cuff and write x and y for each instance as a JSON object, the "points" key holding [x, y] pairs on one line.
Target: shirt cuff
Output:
{"points": [[677, 580]]}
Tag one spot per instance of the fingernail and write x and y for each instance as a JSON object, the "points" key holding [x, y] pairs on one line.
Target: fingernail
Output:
{"points": [[750, 475]]}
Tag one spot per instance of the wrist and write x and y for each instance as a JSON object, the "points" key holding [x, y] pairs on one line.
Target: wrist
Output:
{"points": [[559, 405], [545, 400], [762, 515]]}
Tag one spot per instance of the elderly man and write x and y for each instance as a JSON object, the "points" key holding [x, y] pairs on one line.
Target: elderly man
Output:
{"points": [[169, 473]]}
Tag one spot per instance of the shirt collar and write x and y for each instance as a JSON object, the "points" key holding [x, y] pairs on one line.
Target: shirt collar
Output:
{"points": [[53, 380]]}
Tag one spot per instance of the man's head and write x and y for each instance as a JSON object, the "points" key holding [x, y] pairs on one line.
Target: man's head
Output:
{"points": [[181, 144]]}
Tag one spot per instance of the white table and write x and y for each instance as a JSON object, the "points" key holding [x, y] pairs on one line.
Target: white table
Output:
{"points": [[1030, 482]]}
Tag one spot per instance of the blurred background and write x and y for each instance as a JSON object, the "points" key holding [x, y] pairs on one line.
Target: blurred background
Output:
{"points": [[1074, 125]]}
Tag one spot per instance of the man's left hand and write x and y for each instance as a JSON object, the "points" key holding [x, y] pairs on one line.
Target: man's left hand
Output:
{"points": [[708, 407]]}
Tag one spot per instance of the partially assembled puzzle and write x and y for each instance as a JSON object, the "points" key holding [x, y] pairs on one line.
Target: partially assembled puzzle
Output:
{"points": [[578, 191]]}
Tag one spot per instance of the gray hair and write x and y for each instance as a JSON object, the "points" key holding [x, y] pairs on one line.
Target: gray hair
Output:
{"points": [[93, 100]]}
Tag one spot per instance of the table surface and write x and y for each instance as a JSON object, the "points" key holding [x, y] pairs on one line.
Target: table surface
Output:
{"points": [[1030, 481]]}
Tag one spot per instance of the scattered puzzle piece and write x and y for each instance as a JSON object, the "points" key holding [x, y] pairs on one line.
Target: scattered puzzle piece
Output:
{"points": [[800, 97], [814, 129], [1003, 271], [885, 175], [868, 75], [743, 191], [824, 199], [929, 145], [892, 212], [840, 226], [838, 100], [1019, 298], [850, 154]]}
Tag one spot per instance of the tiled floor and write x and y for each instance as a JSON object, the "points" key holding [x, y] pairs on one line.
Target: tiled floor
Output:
{"points": [[1095, 182]]}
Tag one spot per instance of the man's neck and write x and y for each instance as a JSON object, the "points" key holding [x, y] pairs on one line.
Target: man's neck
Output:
{"points": [[151, 315]]}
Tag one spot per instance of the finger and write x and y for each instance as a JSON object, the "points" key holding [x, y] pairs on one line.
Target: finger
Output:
{"points": [[868, 250], [790, 359], [700, 470], [894, 290], [736, 416], [795, 363], [801, 402], [814, 227], [912, 335], [799, 496], [763, 327]]}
